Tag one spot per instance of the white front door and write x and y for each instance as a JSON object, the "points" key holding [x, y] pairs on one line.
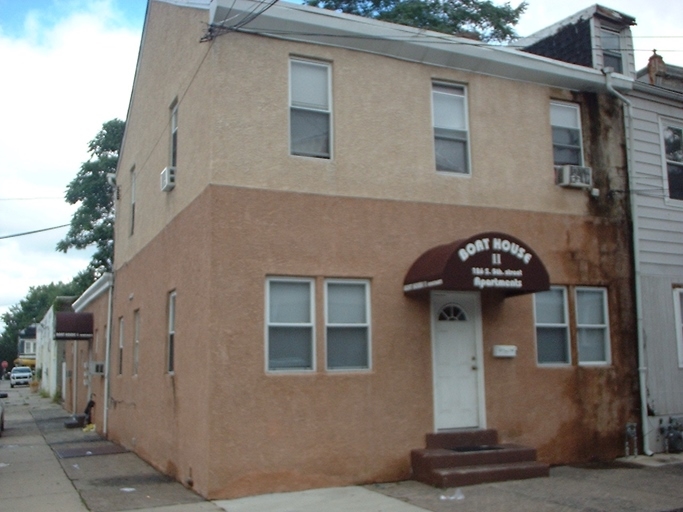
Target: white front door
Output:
{"points": [[456, 328]]}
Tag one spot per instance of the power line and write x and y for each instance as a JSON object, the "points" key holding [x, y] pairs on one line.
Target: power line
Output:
{"points": [[29, 198], [33, 232]]}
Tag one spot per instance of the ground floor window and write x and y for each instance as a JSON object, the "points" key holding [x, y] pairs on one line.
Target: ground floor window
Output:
{"points": [[552, 329], [347, 318], [678, 316], [589, 328], [290, 324], [592, 331], [292, 307], [170, 349]]}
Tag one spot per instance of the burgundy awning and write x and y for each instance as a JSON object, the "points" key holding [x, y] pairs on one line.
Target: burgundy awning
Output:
{"points": [[488, 261], [74, 326]]}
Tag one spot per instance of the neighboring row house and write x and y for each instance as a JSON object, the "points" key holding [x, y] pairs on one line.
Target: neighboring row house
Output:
{"points": [[599, 37], [336, 236]]}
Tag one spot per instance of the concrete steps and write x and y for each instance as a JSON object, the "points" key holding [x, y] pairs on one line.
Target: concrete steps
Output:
{"points": [[469, 457]]}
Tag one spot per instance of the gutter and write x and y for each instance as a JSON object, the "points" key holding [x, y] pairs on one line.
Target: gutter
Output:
{"points": [[322, 27], [107, 359], [642, 368]]}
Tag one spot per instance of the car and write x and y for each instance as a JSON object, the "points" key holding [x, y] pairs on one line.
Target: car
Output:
{"points": [[20, 375], [2, 413]]}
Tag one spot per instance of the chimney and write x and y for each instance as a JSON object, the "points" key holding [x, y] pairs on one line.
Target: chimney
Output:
{"points": [[655, 67]]}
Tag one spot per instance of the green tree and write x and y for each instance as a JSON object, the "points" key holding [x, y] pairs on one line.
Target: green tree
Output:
{"points": [[92, 224], [490, 22], [31, 309]]}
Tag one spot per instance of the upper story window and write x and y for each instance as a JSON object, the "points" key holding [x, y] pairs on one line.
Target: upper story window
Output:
{"points": [[310, 109], [673, 152], [174, 134], [611, 50], [565, 120], [449, 114], [133, 185]]}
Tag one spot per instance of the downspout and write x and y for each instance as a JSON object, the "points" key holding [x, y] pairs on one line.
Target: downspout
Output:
{"points": [[107, 356], [111, 179], [642, 368]]}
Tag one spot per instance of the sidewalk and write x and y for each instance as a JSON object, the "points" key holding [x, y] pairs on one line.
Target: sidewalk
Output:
{"points": [[44, 466]]}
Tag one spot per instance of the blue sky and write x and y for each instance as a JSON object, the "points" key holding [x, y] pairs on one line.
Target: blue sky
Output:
{"points": [[68, 66], [14, 14]]}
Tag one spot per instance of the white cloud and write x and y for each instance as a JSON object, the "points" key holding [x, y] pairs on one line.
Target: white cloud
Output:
{"points": [[62, 79]]}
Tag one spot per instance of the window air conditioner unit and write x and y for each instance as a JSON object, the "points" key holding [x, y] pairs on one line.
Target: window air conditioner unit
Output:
{"points": [[573, 176], [97, 367], [167, 179]]}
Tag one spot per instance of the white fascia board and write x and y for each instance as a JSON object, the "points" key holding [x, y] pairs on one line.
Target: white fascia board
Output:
{"points": [[93, 292], [320, 26], [197, 4]]}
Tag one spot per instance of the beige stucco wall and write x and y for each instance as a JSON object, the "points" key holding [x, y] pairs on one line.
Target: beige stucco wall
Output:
{"points": [[232, 97], [234, 429]]}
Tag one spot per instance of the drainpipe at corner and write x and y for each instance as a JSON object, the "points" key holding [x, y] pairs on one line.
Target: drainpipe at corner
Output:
{"points": [[642, 368], [107, 357]]}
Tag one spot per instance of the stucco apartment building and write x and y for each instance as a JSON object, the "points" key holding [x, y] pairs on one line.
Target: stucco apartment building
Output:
{"points": [[336, 235]]}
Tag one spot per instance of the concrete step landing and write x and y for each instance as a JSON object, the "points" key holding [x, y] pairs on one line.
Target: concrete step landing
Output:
{"points": [[470, 457]]}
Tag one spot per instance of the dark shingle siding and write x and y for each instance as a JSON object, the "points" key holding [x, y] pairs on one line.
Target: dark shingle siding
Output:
{"points": [[571, 43]]}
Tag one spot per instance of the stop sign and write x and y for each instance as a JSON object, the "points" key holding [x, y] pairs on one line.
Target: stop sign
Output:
{"points": [[4, 365]]}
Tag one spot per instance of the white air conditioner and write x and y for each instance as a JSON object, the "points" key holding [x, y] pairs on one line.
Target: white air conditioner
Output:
{"points": [[96, 367], [573, 176], [167, 179]]}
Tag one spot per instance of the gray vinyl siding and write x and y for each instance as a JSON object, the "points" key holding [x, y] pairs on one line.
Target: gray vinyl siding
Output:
{"points": [[664, 377], [659, 242], [660, 220]]}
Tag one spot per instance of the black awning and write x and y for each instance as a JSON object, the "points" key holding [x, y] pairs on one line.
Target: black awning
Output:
{"points": [[74, 326], [488, 261]]}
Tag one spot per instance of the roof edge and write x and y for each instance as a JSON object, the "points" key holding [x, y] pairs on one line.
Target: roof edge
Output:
{"points": [[93, 292], [306, 24]]}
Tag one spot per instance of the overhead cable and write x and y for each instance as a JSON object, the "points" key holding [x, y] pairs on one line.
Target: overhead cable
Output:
{"points": [[33, 232]]}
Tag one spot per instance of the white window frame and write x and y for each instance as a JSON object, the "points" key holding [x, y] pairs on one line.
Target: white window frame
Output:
{"points": [[564, 325], [121, 340], [664, 124], [136, 341], [170, 340], [366, 324], [678, 320], [612, 52], [294, 106], [133, 186], [310, 324], [603, 326], [173, 155], [459, 91], [553, 124]]}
